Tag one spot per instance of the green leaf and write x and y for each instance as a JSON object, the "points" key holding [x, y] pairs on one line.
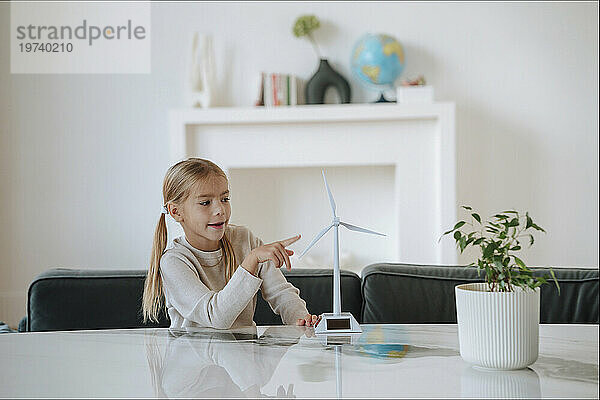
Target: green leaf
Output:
{"points": [[457, 235], [519, 282], [478, 241], [498, 264], [538, 228], [510, 212], [526, 276], [463, 244], [477, 217], [529, 222], [515, 248], [513, 222], [489, 250], [488, 272], [530, 240], [501, 216], [520, 262], [541, 279], [555, 280], [447, 232], [458, 225], [467, 207], [530, 281]]}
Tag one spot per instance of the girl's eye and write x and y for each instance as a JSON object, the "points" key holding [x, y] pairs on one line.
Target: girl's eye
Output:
{"points": [[204, 203], [226, 199]]}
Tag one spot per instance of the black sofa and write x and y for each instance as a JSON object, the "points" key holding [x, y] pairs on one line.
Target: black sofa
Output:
{"points": [[73, 299], [402, 293]]}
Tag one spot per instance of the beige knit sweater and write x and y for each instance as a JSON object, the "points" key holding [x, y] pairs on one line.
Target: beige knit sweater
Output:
{"points": [[197, 295]]}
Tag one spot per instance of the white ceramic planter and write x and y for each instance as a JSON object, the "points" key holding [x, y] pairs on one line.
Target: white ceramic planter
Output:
{"points": [[498, 330]]}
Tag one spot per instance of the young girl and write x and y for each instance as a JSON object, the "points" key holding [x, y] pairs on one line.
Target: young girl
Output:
{"points": [[210, 276]]}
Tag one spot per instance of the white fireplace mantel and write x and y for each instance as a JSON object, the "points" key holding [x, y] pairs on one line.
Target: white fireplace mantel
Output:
{"points": [[417, 139]]}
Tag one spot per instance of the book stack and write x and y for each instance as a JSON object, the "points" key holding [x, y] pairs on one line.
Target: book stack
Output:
{"points": [[277, 90]]}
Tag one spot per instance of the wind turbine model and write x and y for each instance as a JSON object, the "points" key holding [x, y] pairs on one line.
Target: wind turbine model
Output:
{"points": [[336, 322]]}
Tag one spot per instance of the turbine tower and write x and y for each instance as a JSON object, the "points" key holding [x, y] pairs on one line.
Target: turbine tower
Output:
{"points": [[337, 321]]}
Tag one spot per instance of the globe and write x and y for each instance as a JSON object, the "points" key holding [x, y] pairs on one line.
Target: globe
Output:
{"points": [[377, 61]]}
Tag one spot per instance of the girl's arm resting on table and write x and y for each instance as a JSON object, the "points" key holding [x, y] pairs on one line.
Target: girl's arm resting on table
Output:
{"points": [[281, 295], [196, 302]]}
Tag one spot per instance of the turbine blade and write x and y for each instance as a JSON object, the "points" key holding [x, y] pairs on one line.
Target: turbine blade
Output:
{"points": [[319, 235], [329, 193], [359, 229]]}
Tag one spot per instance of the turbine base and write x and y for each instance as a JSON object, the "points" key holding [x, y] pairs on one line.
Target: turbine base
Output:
{"points": [[337, 323]]}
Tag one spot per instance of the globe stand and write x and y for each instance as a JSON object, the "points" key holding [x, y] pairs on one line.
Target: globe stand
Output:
{"points": [[382, 99]]}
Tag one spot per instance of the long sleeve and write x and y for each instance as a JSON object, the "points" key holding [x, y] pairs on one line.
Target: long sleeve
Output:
{"points": [[196, 302], [282, 296]]}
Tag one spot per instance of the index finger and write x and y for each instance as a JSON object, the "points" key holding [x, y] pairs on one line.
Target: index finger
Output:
{"points": [[287, 242]]}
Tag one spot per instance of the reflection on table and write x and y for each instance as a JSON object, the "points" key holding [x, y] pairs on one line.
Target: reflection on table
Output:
{"points": [[219, 364], [399, 361]]}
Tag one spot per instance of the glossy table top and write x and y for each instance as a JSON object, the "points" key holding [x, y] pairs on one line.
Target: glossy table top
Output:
{"points": [[287, 361]]}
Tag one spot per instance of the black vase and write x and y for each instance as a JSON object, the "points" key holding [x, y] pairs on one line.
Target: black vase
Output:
{"points": [[325, 77]]}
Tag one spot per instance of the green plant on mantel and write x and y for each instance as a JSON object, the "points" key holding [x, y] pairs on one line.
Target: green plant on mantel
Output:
{"points": [[498, 239], [304, 26]]}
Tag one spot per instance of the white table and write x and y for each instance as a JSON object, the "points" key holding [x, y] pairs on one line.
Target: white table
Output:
{"points": [[387, 361]]}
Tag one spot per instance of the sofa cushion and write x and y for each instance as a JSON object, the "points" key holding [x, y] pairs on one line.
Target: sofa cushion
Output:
{"points": [[578, 299], [316, 288], [70, 299], [23, 324], [407, 293]]}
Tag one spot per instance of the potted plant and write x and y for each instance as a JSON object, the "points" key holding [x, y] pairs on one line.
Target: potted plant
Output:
{"points": [[325, 76], [498, 321], [305, 25]]}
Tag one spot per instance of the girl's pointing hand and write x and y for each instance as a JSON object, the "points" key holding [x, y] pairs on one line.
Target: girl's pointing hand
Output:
{"points": [[275, 252]]}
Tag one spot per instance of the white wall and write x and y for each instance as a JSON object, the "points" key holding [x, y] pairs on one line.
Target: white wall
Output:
{"points": [[83, 156]]}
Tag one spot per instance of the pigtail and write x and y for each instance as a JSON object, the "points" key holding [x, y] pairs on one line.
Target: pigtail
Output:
{"points": [[228, 257], [152, 301]]}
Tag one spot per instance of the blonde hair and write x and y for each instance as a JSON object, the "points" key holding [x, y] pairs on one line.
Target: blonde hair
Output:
{"points": [[177, 186]]}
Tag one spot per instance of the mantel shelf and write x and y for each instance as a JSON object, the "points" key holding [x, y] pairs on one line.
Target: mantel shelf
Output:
{"points": [[310, 113]]}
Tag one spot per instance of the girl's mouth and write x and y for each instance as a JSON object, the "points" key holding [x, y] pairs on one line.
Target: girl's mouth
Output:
{"points": [[219, 225]]}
